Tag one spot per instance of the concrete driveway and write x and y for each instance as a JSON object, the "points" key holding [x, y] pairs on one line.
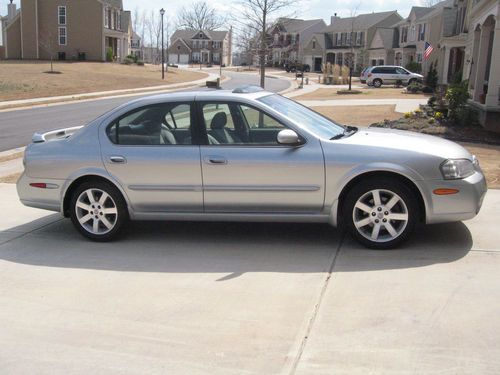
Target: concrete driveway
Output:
{"points": [[236, 298]]}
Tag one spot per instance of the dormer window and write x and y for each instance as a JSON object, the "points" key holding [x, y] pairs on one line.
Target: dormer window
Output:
{"points": [[314, 44]]}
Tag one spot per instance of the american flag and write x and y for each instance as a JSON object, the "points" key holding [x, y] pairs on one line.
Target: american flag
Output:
{"points": [[428, 50]]}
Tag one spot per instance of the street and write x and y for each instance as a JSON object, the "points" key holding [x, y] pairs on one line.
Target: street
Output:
{"points": [[226, 298], [17, 126]]}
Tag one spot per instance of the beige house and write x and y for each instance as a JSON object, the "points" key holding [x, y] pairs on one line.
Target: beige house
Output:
{"points": [[348, 39], [290, 36], [200, 47], [66, 29]]}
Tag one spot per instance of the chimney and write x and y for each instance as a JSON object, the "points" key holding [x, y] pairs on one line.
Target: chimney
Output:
{"points": [[333, 18], [11, 11]]}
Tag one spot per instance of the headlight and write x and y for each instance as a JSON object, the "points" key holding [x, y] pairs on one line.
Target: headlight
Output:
{"points": [[454, 169]]}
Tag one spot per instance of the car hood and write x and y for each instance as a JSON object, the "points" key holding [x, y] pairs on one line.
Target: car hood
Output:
{"points": [[402, 140]]}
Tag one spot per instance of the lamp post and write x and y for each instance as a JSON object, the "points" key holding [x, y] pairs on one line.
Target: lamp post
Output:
{"points": [[162, 12]]}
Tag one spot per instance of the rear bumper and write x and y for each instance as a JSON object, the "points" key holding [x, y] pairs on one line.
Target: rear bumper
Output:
{"points": [[46, 199], [456, 207]]}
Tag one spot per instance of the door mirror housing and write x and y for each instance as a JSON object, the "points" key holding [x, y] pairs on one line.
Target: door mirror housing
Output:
{"points": [[288, 137]]}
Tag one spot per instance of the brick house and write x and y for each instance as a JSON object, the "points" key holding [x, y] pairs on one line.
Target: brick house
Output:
{"points": [[200, 46], [66, 29]]}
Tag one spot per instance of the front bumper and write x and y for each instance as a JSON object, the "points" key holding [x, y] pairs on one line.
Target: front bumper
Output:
{"points": [[455, 207]]}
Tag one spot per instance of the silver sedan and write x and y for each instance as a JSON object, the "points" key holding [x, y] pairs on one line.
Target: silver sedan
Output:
{"points": [[247, 155]]}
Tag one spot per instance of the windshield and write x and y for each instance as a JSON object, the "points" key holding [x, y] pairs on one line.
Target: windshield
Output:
{"points": [[303, 116]]}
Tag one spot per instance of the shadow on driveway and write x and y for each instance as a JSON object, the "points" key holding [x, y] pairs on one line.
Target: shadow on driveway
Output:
{"points": [[233, 248]]}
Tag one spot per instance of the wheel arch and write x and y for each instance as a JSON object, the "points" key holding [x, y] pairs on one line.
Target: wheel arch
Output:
{"points": [[379, 174], [73, 185]]}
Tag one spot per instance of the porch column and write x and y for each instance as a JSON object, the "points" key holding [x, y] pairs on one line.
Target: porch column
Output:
{"points": [[446, 65], [493, 95], [482, 58]]}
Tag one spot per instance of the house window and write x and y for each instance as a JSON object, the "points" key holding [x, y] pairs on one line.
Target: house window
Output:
{"points": [[196, 56], [314, 44], [61, 11], [62, 36], [216, 45], [348, 39], [119, 20], [358, 37], [419, 57], [339, 39], [216, 57], [404, 34], [412, 33], [421, 32]]}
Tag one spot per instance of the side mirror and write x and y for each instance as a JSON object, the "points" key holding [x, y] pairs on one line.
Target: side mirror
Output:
{"points": [[288, 137]]}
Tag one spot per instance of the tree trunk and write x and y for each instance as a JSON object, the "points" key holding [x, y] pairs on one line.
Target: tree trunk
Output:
{"points": [[262, 57]]}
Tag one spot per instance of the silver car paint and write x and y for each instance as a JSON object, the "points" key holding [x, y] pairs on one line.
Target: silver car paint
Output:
{"points": [[272, 183]]}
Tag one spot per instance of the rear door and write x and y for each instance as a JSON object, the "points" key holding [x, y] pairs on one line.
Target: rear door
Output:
{"points": [[248, 171], [150, 152]]}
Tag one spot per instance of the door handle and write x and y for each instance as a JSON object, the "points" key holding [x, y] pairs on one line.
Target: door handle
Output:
{"points": [[215, 160], [117, 159]]}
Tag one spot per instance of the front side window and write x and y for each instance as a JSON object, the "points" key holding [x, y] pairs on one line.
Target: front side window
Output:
{"points": [[239, 124], [61, 12], [62, 36], [161, 124], [303, 116]]}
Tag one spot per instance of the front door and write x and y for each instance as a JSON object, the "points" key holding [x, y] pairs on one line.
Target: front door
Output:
{"points": [[245, 169], [150, 152]]}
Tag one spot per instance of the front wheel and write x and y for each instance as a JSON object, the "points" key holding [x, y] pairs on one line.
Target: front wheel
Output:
{"points": [[381, 214], [98, 211]]}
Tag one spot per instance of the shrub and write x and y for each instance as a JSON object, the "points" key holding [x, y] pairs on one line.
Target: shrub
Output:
{"points": [[109, 54], [408, 114], [140, 62], [432, 120], [414, 87], [432, 101], [457, 96], [431, 79], [414, 67], [128, 61], [438, 116]]}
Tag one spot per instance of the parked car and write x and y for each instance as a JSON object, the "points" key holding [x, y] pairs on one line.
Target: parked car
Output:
{"points": [[247, 155], [391, 75], [297, 67], [364, 74]]}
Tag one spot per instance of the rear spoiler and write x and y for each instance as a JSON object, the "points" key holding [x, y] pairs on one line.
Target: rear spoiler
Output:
{"points": [[54, 134]]}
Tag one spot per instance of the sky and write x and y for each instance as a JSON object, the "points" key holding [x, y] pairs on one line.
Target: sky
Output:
{"points": [[303, 8]]}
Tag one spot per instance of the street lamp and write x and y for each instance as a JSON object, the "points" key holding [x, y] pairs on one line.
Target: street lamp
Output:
{"points": [[162, 12]]}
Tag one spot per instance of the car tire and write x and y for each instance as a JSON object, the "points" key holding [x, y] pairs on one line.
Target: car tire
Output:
{"points": [[98, 211], [380, 213], [377, 83]]}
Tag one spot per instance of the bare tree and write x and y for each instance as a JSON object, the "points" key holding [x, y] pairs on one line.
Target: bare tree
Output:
{"points": [[257, 15], [350, 61], [48, 42], [200, 16]]}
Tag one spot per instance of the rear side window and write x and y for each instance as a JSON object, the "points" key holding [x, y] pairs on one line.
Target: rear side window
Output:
{"points": [[162, 124]]}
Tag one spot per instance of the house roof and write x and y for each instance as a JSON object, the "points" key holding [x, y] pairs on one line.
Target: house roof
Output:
{"points": [[364, 21], [295, 25], [187, 34], [437, 9]]}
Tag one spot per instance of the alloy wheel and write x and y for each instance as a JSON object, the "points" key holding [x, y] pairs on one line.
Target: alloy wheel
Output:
{"points": [[380, 215], [96, 211]]}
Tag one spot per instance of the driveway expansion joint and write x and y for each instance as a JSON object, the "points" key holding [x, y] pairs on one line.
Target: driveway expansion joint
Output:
{"points": [[317, 306]]}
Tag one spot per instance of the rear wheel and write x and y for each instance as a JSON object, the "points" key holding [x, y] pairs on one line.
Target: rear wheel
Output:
{"points": [[381, 214], [377, 83], [98, 211]]}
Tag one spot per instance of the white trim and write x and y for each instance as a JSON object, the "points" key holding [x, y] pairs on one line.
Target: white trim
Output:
{"points": [[59, 7], [59, 28]]}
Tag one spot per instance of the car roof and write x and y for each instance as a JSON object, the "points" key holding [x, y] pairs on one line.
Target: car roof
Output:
{"points": [[204, 95]]}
